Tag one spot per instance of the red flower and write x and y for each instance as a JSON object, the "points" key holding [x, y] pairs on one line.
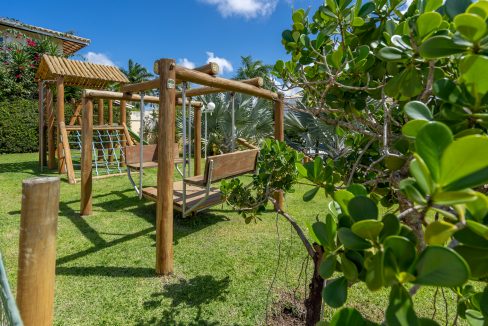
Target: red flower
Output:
{"points": [[18, 76], [31, 42]]}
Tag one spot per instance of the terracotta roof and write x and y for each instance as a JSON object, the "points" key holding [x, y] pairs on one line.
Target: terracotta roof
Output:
{"points": [[71, 43], [79, 73]]}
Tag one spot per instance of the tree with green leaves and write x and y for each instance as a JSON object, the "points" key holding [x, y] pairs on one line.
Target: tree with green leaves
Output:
{"points": [[406, 87], [136, 73], [251, 68]]}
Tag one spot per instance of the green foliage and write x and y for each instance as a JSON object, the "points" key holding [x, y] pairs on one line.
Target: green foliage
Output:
{"points": [[18, 126]]}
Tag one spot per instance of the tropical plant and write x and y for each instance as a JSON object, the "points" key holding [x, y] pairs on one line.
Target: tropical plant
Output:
{"points": [[404, 87], [136, 73], [251, 68]]}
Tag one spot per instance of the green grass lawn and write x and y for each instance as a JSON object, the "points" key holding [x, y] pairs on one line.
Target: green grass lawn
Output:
{"points": [[223, 267]]}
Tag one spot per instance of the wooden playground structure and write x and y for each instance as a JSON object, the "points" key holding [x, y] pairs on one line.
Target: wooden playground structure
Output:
{"points": [[56, 139], [193, 191]]}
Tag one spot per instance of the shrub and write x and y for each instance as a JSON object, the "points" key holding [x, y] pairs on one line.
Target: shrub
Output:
{"points": [[18, 126]]}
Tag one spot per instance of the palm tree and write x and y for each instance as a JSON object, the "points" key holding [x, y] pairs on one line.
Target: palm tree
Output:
{"points": [[251, 68], [253, 120], [136, 73]]}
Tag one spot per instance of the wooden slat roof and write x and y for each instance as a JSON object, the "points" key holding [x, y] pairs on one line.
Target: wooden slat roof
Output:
{"points": [[79, 73]]}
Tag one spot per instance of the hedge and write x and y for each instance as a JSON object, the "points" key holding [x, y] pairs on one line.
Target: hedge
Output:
{"points": [[19, 131], [18, 126]]}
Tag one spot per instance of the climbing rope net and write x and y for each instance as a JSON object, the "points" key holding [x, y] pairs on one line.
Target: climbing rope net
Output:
{"points": [[107, 148]]}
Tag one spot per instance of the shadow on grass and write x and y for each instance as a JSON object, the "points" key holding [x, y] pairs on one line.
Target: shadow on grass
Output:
{"points": [[106, 271], [21, 167], [193, 293]]}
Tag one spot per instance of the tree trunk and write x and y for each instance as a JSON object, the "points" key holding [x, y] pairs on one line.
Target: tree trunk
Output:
{"points": [[313, 304]]}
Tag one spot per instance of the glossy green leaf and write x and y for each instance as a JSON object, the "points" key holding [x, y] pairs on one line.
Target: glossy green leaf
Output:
{"points": [[431, 142], [454, 197], [412, 128], [428, 22], [357, 190], [408, 186], [439, 232], [342, 197], [471, 26], [467, 237], [479, 8], [335, 292], [391, 226], [352, 241], [479, 207], [432, 5], [357, 21], [403, 250], [347, 316], [471, 68], [440, 46], [320, 231], [327, 266], [374, 274], [310, 194], [367, 229], [478, 228], [400, 311], [475, 318], [349, 269], [484, 302], [362, 208], [330, 232], [390, 53], [420, 171], [477, 259], [418, 111], [464, 163], [441, 266]]}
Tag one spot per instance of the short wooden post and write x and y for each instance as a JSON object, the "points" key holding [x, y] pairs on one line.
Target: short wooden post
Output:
{"points": [[123, 122], [198, 139], [51, 142], [60, 118], [110, 122], [166, 139], [101, 122], [37, 250], [279, 133], [86, 157]]}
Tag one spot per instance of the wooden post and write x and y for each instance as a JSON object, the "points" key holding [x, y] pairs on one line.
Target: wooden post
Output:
{"points": [[166, 139], [111, 122], [37, 250], [60, 118], [198, 140], [123, 122], [42, 124], [279, 133], [67, 154], [51, 142], [100, 123], [86, 157]]}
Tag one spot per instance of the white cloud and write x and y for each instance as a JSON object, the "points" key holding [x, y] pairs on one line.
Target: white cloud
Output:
{"points": [[99, 58], [186, 63], [245, 8], [224, 64]]}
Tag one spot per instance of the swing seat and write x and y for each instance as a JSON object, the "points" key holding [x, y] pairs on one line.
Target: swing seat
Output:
{"points": [[196, 193], [149, 156]]}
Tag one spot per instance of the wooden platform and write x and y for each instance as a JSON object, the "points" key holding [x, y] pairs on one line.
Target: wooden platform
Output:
{"points": [[193, 195]]}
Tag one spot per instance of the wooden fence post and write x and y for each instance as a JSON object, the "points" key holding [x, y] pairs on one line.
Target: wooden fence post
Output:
{"points": [[37, 250], [60, 118], [279, 133], [198, 140], [166, 139]]}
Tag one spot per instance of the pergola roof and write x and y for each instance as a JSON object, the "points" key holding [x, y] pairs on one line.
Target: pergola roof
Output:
{"points": [[79, 73]]}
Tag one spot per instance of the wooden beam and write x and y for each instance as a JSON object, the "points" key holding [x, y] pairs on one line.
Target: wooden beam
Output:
{"points": [[123, 122], [222, 83], [211, 68], [107, 95], [166, 139], [198, 140], [51, 141], [86, 158], [60, 118], [101, 121], [37, 250], [258, 82], [279, 133], [42, 124], [67, 154], [140, 87]]}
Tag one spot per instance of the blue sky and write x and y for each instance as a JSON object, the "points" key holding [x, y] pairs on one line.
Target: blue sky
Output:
{"points": [[191, 31]]}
